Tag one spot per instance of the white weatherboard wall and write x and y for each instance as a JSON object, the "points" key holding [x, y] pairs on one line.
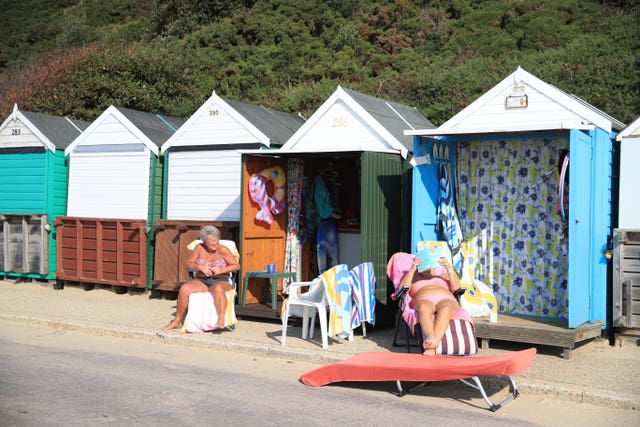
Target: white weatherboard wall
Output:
{"points": [[204, 185], [109, 185], [204, 181], [17, 134], [341, 126], [109, 170], [628, 217]]}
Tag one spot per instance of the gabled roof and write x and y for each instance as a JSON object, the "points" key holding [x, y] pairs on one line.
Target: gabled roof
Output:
{"points": [[386, 119], [54, 132], [278, 126], [156, 127], [632, 130], [265, 125], [545, 108], [150, 129]]}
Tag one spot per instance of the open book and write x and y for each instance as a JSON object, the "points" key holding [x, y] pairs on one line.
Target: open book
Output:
{"points": [[430, 252]]}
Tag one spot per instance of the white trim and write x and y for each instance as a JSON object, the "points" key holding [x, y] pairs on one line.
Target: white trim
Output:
{"points": [[73, 124], [215, 99], [17, 115], [112, 111], [493, 129], [340, 95], [632, 130]]}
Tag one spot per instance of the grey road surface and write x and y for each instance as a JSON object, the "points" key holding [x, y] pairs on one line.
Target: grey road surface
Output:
{"points": [[52, 377], [49, 382]]}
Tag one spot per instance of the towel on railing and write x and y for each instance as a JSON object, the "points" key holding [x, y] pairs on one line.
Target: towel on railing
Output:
{"points": [[363, 287], [338, 292]]}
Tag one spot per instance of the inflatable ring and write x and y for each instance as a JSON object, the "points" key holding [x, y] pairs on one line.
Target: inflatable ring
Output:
{"points": [[269, 205]]}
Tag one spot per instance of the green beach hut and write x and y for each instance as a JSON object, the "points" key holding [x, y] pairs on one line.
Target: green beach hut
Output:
{"points": [[33, 190]]}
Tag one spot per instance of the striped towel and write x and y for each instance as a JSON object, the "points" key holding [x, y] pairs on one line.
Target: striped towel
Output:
{"points": [[363, 285], [448, 223], [459, 339], [338, 292]]}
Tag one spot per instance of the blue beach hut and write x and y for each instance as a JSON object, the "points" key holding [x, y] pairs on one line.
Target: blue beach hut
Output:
{"points": [[33, 190], [537, 240]]}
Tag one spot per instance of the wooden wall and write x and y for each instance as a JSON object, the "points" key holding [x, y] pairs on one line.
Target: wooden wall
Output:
{"points": [[261, 243], [102, 251], [626, 278], [171, 253]]}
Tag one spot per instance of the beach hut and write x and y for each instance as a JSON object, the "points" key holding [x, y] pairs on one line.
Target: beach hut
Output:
{"points": [[346, 168], [33, 190], [626, 237], [531, 169], [114, 198], [203, 176]]}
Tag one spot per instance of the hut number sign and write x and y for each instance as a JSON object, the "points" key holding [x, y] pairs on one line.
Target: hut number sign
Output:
{"points": [[340, 122], [15, 131], [214, 113]]}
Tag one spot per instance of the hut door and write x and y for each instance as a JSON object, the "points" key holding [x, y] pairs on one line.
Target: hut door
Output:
{"points": [[579, 226], [382, 224]]}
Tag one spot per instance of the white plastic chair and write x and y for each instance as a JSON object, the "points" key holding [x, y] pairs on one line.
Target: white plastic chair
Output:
{"points": [[311, 302]]}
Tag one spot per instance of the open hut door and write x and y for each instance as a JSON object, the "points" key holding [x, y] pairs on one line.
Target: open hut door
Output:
{"points": [[262, 242], [383, 221], [429, 154], [579, 226]]}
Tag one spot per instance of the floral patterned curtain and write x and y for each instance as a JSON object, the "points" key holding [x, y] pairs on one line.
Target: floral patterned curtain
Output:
{"points": [[507, 198], [295, 168]]}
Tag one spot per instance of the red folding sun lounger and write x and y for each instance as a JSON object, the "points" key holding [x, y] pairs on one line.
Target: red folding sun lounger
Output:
{"points": [[378, 366]]}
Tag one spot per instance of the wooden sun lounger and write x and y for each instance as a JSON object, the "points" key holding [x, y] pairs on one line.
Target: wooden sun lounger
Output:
{"points": [[378, 366]]}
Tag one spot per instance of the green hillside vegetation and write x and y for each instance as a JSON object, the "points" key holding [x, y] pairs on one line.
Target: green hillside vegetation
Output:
{"points": [[77, 57]]}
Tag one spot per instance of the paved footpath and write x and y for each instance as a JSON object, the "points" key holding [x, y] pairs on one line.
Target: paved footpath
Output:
{"points": [[597, 373]]}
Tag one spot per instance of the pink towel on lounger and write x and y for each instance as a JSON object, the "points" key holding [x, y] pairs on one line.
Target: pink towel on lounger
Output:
{"points": [[397, 267]]}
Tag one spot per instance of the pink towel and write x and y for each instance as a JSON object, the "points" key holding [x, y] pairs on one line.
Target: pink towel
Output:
{"points": [[201, 315], [398, 266]]}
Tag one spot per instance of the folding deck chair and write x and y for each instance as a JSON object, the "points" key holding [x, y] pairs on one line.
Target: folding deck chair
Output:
{"points": [[459, 341]]}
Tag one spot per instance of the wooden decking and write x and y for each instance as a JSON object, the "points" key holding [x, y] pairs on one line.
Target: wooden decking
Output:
{"points": [[554, 333], [259, 310]]}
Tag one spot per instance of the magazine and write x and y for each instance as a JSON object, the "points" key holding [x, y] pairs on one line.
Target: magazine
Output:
{"points": [[430, 252]]}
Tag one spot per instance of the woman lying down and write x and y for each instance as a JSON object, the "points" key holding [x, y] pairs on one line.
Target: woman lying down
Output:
{"points": [[432, 297]]}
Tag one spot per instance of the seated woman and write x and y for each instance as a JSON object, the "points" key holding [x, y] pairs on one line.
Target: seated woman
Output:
{"points": [[432, 296], [212, 263]]}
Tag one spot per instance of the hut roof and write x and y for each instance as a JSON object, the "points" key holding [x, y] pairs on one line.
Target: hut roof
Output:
{"points": [[220, 121], [53, 132], [520, 103], [156, 127], [352, 121]]}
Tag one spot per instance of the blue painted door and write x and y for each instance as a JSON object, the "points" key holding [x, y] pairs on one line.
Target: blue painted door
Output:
{"points": [[428, 155], [579, 227]]}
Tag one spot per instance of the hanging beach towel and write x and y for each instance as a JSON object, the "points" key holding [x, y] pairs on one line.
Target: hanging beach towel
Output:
{"points": [[363, 291], [338, 292], [448, 223]]}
